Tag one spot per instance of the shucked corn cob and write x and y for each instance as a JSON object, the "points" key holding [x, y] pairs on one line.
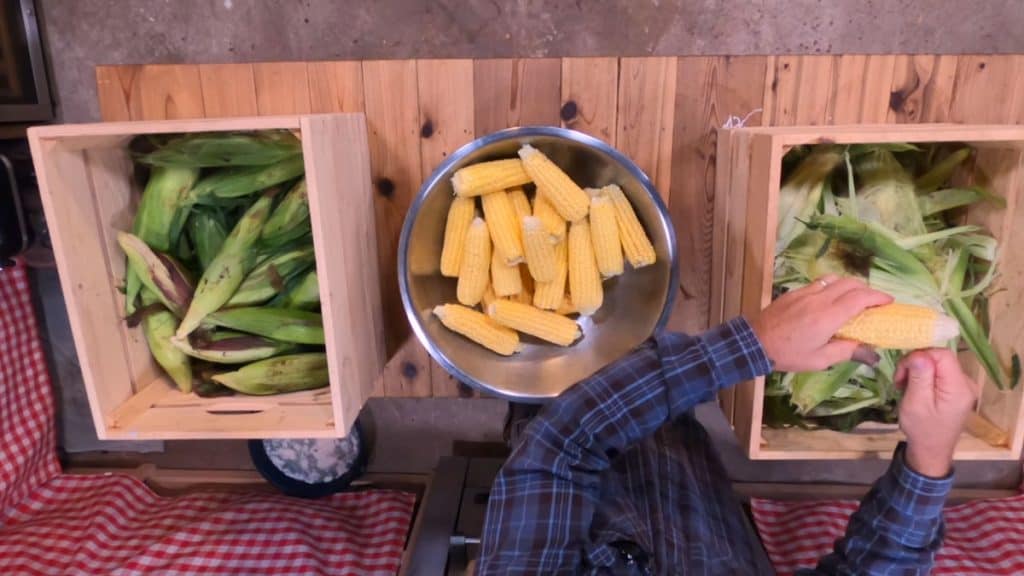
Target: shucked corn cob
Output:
{"points": [[505, 279], [487, 177], [520, 202], [901, 327], [540, 254], [635, 243], [553, 222], [503, 226], [549, 295], [545, 325], [474, 273], [460, 214], [478, 328], [584, 278], [604, 232], [571, 202]]}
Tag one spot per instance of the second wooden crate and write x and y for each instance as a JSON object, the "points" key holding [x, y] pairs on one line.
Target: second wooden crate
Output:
{"points": [[746, 206]]}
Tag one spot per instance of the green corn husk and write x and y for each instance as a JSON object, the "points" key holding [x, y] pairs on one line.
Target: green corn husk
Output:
{"points": [[224, 347], [270, 278], [949, 198], [229, 268], [290, 219], [239, 182], [158, 327], [277, 375], [809, 389], [157, 220], [208, 231], [801, 192], [284, 324], [941, 172], [211, 150], [303, 295], [886, 194], [158, 272]]}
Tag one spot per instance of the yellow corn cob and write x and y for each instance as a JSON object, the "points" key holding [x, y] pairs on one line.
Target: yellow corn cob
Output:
{"points": [[549, 295], [474, 274], [540, 323], [584, 279], [460, 214], [520, 202], [524, 297], [505, 279], [604, 232], [479, 328], [571, 202], [540, 254], [528, 283], [504, 228], [488, 177], [553, 222], [635, 243], [901, 327], [489, 296], [567, 308]]}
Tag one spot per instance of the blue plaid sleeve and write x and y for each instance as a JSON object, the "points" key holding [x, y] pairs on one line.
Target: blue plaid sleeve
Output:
{"points": [[898, 527], [542, 502]]}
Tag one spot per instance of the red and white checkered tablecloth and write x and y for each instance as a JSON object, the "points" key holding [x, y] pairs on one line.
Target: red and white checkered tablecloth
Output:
{"points": [[52, 523], [984, 537]]}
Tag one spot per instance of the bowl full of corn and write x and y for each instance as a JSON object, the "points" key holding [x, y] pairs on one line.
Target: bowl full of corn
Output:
{"points": [[532, 258]]}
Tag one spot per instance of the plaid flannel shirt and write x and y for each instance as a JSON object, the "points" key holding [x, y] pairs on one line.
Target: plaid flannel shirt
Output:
{"points": [[616, 476]]}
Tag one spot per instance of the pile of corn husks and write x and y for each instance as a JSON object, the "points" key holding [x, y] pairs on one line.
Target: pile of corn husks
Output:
{"points": [[891, 215]]}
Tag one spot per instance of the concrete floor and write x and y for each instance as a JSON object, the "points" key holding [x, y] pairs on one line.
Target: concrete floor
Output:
{"points": [[409, 435]]}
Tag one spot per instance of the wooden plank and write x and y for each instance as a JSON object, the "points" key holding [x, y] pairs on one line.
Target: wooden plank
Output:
{"points": [[281, 88], [345, 238], [644, 131], [798, 91], [710, 91], [861, 89], [922, 88], [113, 87], [392, 115], [446, 123], [335, 86], [589, 95], [228, 90], [150, 92], [516, 93], [986, 89]]}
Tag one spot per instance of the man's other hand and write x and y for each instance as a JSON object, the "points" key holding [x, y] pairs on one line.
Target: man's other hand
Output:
{"points": [[796, 330], [937, 400]]}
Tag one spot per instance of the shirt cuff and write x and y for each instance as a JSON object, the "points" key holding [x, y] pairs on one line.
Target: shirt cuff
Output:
{"points": [[725, 355], [913, 493]]}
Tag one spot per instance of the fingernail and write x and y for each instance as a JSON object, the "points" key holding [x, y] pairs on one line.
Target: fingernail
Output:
{"points": [[916, 363]]}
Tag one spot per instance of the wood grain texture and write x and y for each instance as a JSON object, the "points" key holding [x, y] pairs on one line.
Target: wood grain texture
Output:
{"points": [[986, 89], [281, 88], [644, 123], [446, 118], [589, 96], [516, 93], [228, 90], [113, 89], [922, 88], [861, 89], [150, 92], [799, 89], [391, 94], [335, 87]]}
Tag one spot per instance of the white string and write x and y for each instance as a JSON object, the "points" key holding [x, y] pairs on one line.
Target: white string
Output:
{"points": [[737, 122]]}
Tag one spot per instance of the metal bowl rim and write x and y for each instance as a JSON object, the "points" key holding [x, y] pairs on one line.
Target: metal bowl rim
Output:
{"points": [[508, 134]]}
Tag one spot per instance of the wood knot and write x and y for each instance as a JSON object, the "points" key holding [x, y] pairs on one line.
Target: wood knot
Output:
{"points": [[409, 371], [385, 187], [427, 130], [896, 100], [569, 111]]}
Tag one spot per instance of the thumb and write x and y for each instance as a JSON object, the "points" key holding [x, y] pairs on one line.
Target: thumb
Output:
{"points": [[920, 378]]}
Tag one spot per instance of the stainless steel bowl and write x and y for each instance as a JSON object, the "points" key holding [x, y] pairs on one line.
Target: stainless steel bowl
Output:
{"points": [[635, 304]]}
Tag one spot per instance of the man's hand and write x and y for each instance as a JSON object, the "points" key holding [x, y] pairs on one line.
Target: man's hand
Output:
{"points": [[796, 330], [937, 400]]}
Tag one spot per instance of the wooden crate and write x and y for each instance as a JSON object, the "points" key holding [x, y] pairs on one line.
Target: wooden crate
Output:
{"points": [[89, 193], [748, 190]]}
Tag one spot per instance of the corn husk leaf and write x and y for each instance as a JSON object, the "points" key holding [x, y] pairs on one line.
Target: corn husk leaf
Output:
{"points": [[219, 149]]}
